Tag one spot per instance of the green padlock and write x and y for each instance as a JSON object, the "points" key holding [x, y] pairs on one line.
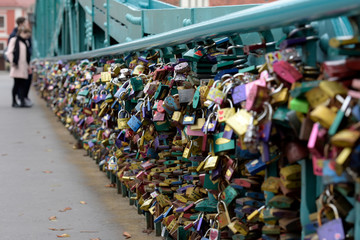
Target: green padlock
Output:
{"points": [[223, 144], [229, 194], [299, 105]]}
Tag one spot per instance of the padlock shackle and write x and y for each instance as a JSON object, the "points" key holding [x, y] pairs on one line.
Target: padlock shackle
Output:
{"points": [[231, 103], [277, 90], [215, 83], [234, 46], [221, 202], [268, 111], [123, 110], [332, 206], [227, 76], [227, 80], [209, 118], [227, 89]]}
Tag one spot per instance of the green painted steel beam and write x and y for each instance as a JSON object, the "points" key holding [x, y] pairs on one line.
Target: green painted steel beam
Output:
{"points": [[260, 18]]}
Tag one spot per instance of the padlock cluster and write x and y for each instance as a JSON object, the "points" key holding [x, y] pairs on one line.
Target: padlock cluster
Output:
{"points": [[213, 147]]}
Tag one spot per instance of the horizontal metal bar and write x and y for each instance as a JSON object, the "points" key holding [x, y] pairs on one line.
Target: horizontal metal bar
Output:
{"points": [[260, 18]]}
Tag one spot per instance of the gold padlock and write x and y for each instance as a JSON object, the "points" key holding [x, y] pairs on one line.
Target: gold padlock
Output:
{"points": [[332, 88], [280, 97], [199, 123], [176, 117], [225, 113], [187, 150], [316, 97], [345, 138], [291, 172], [122, 122], [211, 163], [341, 160], [240, 121], [323, 115], [105, 76]]}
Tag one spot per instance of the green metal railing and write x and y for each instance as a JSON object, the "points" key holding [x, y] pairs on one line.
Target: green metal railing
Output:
{"points": [[72, 26], [257, 19]]}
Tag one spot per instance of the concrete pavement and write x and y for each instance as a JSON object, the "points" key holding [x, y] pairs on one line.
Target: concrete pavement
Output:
{"points": [[42, 175]]}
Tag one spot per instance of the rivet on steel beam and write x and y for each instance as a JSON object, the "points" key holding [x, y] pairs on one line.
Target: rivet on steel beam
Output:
{"points": [[187, 22]]}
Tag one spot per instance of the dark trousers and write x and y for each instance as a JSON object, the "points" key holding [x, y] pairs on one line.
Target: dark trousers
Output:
{"points": [[19, 89], [28, 85]]}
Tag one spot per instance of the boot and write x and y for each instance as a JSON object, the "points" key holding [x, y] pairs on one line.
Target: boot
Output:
{"points": [[24, 104], [15, 104]]}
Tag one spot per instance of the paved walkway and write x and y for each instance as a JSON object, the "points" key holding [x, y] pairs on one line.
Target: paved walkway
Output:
{"points": [[42, 177]]}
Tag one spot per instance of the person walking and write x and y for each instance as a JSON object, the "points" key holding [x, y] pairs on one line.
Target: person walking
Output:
{"points": [[22, 23], [18, 53]]}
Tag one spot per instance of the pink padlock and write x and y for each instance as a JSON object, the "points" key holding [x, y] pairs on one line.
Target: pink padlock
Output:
{"points": [[355, 84], [256, 97], [76, 119], [287, 72], [316, 141], [197, 133], [160, 107], [317, 165], [89, 120]]}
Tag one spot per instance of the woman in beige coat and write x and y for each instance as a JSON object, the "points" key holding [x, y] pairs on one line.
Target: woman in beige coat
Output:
{"points": [[18, 53]]}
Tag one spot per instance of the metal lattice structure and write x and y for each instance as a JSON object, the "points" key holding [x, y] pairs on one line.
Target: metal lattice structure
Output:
{"points": [[73, 26]]}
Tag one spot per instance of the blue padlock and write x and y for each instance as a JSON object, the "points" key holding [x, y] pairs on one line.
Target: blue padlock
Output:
{"points": [[134, 123]]}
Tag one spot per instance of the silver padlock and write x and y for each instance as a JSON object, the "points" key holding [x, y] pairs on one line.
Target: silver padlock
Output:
{"points": [[251, 139]]}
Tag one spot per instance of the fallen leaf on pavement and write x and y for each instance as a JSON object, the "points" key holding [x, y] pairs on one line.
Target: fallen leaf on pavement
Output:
{"points": [[4, 154], [44, 137], [48, 150], [83, 202], [127, 235], [63, 235], [65, 209], [47, 171], [27, 169], [111, 185], [52, 218], [58, 229], [95, 239]]}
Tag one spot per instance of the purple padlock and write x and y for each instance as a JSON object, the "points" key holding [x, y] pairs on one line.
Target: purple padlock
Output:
{"points": [[265, 153], [103, 94], [183, 189], [156, 143], [239, 94], [210, 124], [188, 177], [180, 209], [118, 143], [199, 223], [81, 122], [216, 172], [228, 133], [265, 131]]}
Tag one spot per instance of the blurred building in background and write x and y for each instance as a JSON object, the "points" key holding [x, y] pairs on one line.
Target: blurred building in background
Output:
{"points": [[9, 11], [210, 3]]}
